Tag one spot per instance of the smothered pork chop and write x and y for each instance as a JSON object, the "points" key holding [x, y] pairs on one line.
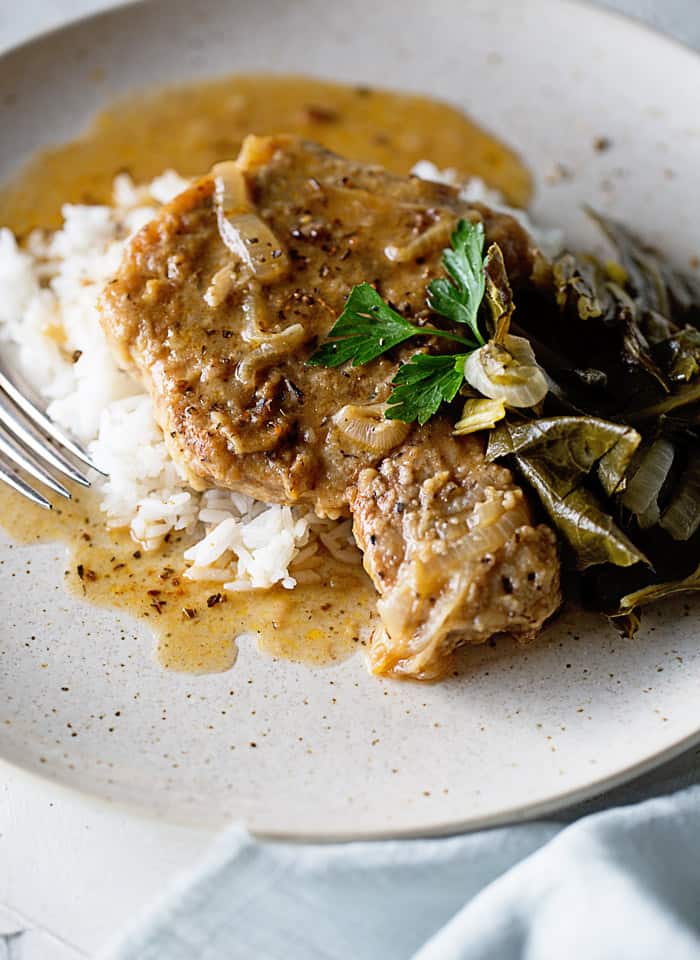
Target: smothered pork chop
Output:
{"points": [[221, 334]]}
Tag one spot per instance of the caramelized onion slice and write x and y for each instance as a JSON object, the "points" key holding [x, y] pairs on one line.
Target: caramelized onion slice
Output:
{"points": [[642, 493], [507, 372], [411, 636], [364, 428], [245, 234], [435, 236], [479, 414]]}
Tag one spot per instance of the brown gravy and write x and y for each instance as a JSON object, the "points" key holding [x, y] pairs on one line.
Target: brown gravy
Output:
{"points": [[189, 129], [195, 623]]}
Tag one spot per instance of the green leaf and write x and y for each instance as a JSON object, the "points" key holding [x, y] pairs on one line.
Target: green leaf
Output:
{"points": [[555, 455], [592, 534], [659, 591], [686, 395], [366, 328], [579, 284], [683, 352], [423, 384], [498, 292], [613, 465], [642, 265], [458, 298], [570, 447], [681, 519], [635, 346]]}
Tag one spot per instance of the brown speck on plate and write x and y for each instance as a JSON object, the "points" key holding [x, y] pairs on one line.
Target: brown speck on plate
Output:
{"points": [[601, 144]]}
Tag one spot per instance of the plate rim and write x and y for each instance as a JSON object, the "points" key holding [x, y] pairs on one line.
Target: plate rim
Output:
{"points": [[559, 802], [512, 816]]}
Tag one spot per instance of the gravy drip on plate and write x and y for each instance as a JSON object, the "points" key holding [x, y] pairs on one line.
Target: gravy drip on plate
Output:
{"points": [[195, 623], [188, 130]]}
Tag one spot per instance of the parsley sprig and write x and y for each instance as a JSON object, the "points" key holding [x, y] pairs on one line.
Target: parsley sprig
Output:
{"points": [[368, 327], [459, 297], [423, 384]]}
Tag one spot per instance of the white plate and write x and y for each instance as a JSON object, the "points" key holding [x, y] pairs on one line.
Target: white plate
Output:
{"points": [[340, 753]]}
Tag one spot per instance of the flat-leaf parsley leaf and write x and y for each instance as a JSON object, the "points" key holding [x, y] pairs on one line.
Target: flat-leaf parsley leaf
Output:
{"points": [[423, 384], [369, 327], [366, 329], [459, 297]]}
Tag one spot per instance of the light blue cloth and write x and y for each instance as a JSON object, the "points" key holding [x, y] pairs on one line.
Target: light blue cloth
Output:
{"points": [[623, 883]]}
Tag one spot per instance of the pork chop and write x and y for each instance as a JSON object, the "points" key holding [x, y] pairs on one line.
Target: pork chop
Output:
{"points": [[221, 340]]}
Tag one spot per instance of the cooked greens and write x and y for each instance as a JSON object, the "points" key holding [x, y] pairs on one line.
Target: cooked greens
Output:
{"points": [[571, 448], [623, 346], [580, 284], [592, 534], [681, 518], [593, 397], [659, 591], [555, 455]]}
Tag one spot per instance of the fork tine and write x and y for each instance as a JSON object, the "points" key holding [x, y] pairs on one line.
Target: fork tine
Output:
{"points": [[17, 483], [16, 455], [46, 423], [41, 448]]}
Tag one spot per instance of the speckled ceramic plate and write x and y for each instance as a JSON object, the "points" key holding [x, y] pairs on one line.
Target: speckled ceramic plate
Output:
{"points": [[337, 752]]}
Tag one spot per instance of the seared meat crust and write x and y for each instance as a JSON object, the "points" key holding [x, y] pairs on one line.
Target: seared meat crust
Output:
{"points": [[448, 541]]}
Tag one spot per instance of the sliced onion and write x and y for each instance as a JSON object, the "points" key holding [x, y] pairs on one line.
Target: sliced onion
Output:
{"points": [[412, 633], [365, 428], [682, 517], [507, 372], [479, 415], [643, 488], [255, 313], [435, 236], [267, 347], [493, 523], [242, 230], [220, 285], [231, 188], [275, 347], [650, 516]]}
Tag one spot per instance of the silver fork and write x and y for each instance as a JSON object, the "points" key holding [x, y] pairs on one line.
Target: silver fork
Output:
{"points": [[31, 441]]}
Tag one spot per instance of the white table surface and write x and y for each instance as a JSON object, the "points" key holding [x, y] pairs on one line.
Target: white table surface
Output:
{"points": [[73, 870]]}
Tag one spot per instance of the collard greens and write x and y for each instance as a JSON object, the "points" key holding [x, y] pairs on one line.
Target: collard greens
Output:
{"points": [[556, 455]]}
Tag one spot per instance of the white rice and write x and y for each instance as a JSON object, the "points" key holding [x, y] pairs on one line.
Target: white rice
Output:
{"points": [[48, 314]]}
